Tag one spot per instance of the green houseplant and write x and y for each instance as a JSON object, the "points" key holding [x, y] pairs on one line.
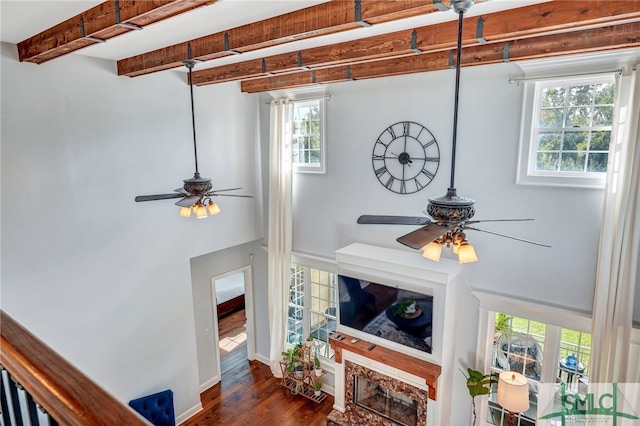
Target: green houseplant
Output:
{"points": [[400, 308], [316, 385], [316, 366], [478, 384]]}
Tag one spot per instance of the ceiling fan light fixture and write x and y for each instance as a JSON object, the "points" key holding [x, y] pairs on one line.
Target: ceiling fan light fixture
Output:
{"points": [[466, 253], [213, 209], [201, 211], [432, 251], [185, 211]]}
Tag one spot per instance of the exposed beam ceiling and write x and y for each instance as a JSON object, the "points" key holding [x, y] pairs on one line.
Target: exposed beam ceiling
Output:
{"points": [[325, 42], [100, 23], [506, 26], [323, 19]]}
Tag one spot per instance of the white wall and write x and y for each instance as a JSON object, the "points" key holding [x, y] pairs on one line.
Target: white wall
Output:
{"points": [[327, 206], [101, 279]]}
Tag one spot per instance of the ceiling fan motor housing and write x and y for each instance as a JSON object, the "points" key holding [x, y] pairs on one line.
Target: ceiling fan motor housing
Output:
{"points": [[451, 207], [197, 185]]}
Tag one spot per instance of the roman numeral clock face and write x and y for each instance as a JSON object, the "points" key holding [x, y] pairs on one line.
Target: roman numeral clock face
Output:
{"points": [[406, 157]]}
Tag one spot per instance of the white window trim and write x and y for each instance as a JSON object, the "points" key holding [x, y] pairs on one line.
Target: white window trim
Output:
{"points": [[556, 68], [318, 92], [554, 317], [526, 174], [321, 167]]}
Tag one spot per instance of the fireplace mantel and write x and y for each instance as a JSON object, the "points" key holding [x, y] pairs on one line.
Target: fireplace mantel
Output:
{"points": [[424, 369]]}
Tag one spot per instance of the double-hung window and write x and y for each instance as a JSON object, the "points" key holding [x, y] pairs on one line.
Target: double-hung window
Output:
{"points": [[566, 131], [308, 147], [312, 307]]}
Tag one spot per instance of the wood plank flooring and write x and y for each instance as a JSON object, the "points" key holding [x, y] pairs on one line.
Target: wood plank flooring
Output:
{"points": [[248, 394]]}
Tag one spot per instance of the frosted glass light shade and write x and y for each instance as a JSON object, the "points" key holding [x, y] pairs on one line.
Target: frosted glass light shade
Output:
{"points": [[185, 211], [201, 212], [432, 251], [213, 209], [466, 253], [513, 392]]}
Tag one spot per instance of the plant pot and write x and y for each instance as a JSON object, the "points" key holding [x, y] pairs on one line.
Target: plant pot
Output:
{"points": [[318, 372], [297, 370], [317, 393]]}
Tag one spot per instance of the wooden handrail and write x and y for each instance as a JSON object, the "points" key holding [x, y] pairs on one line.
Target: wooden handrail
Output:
{"points": [[69, 396]]}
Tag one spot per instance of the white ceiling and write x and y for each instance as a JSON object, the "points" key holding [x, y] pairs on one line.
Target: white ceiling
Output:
{"points": [[21, 19]]}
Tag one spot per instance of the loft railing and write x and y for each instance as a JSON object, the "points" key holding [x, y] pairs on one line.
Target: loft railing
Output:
{"points": [[39, 387]]}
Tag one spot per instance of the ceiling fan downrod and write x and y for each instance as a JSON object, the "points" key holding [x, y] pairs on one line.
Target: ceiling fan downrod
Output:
{"points": [[450, 207]]}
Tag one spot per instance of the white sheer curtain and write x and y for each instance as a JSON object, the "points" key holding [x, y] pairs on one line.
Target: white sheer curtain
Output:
{"points": [[279, 237], [619, 246]]}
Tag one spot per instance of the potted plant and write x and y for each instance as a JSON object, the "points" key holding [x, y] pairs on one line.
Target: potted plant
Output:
{"points": [[309, 341], [405, 307], [291, 357], [479, 384], [316, 385], [297, 388], [316, 366]]}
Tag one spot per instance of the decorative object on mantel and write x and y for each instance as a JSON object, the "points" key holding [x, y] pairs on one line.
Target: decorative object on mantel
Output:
{"points": [[197, 192], [478, 384], [513, 394], [451, 213]]}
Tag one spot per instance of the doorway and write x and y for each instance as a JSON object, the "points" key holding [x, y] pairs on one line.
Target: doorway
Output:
{"points": [[233, 318]]}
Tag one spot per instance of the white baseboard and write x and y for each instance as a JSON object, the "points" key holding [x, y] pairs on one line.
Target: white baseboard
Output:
{"points": [[211, 382], [189, 413], [262, 359]]}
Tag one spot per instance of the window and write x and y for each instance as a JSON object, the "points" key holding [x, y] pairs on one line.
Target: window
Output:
{"points": [[307, 149], [312, 307], [543, 352], [566, 131]]}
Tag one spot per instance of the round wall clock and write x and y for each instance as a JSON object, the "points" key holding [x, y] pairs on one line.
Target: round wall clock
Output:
{"points": [[406, 157]]}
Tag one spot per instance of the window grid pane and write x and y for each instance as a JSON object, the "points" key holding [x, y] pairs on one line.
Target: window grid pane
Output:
{"points": [[295, 318], [519, 345], [574, 128], [575, 356], [323, 310], [306, 133]]}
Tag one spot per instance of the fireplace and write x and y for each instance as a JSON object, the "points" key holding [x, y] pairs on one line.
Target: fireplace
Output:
{"points": [[384, 402], [379, 381], [373, 398]]}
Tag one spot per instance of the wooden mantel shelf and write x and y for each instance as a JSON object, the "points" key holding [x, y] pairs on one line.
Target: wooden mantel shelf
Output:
{"points": [[424, 369]]}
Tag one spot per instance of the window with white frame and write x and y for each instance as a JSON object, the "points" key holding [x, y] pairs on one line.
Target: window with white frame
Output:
{"points": [[308, 148], [312, 308], [543, 352], [566, 131]]}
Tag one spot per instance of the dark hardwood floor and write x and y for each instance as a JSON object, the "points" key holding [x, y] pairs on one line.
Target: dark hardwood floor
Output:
{"points": [[248, 394], [233, 340]]}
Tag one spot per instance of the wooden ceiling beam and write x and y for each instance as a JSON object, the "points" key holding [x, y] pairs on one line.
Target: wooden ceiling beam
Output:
{"points": [[582, 41], [546, 18], [326, 18], [98, 24]]}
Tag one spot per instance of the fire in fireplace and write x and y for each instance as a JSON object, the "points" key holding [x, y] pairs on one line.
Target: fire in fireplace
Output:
{"points": [[384, 402]]}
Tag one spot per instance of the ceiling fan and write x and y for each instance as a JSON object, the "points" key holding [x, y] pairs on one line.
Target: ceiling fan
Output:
{"points": [[451, 213], [196, 193]]}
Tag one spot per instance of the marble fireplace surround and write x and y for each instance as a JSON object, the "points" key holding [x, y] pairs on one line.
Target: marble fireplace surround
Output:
{"points": [[414, 378], [431, 374]]}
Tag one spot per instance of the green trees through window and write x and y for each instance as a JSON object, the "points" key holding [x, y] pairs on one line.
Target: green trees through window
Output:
{"points": [[574, 127]]}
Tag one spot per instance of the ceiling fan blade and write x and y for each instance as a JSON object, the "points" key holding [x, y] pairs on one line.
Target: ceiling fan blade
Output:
{"points": [[393, 220], [423, 236], [220, 190], [157, 197], [508, 236], [230, 195], [188, 201], [497, 220], [182, 191]]}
